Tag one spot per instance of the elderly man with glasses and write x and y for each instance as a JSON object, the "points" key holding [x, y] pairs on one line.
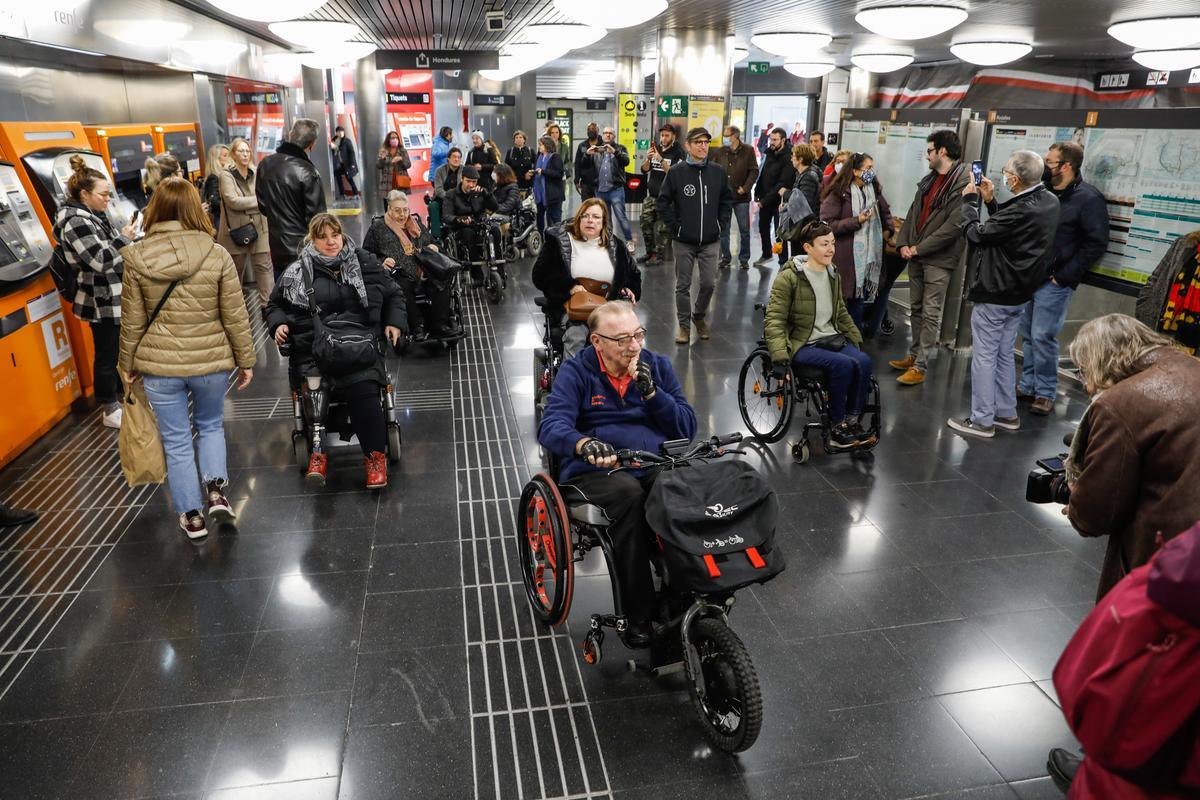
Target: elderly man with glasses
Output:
{"points": [[611, 158], [612, 396]]}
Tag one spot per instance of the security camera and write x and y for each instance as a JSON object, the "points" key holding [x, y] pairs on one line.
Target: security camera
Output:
{"points": [[495, 20]]}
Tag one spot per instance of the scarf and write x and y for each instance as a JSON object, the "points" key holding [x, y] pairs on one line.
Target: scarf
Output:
{"points": [[696, 163], [407, 233], [868, 243], [1181, 316], [292, 280], [539, 179]]}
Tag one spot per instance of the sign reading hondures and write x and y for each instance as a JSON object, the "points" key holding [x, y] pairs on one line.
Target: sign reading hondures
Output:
{"points": [[437, 59]]}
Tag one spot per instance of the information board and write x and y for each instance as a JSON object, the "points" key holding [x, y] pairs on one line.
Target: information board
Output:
{"points": [[1146, 162], [633, 127]]}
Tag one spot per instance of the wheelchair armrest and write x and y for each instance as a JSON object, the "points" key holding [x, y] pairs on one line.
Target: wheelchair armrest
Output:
{"points": [[540, 301], [588, 514]]}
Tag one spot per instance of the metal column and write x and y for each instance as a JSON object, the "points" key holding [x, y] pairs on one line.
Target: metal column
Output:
{"points": [[368, 107]]}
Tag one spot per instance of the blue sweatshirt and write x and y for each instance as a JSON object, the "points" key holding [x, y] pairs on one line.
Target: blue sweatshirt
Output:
{"points": [[583, 402]]}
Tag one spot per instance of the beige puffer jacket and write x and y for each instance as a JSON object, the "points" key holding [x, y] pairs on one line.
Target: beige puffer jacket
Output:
{"points": [[203, 327]]}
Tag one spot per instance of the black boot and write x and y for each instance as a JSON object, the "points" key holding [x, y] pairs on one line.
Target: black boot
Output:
{"points": [[1062, 766], [11, 517]]}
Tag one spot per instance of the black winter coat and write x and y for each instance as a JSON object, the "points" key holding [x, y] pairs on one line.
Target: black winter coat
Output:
{"points": [[809, 185], [335, 298], [695, 203], [521, 160], [585, 168], [461, 204], [508, 199], [1010, 253], [776, 172], [1082, 234], [289, 193], [485, 161], [552, 270]]}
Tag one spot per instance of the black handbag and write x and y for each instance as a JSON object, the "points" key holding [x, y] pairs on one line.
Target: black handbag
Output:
{"points": [[833, 343], [340, 347], [244, 235], [437, 265]]}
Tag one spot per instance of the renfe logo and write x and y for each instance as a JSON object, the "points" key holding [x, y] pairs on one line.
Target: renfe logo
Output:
{"points": [[735, 539], [719, 511]]}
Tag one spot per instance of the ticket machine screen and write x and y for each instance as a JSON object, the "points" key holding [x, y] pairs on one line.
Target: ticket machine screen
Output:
{"points": [[52, 168]]}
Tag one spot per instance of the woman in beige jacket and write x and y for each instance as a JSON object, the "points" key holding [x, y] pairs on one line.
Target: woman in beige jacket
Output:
{"points": [[201, 331], [241, 208]]}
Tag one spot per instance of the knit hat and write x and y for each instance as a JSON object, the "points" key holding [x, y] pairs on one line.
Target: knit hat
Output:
{"points": [[469, 171]]}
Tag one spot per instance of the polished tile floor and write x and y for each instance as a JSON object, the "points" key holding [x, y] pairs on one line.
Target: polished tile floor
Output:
{"points": [[346, 644]]}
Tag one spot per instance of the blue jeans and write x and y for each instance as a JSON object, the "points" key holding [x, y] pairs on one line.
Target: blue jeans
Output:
{"points": [[548, 215], [848, 376], [169, 399], [614, 198], [1041, 323], [741, 213], [993, 363], [856, 307]]}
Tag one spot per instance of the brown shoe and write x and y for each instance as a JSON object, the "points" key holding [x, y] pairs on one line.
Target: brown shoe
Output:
{"points": [[1042, 406], [903, 364], [702, 328], [684, 336], [911, 377]]}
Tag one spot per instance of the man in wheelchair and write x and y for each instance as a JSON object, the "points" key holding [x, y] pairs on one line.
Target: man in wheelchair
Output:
{"points": [[464, 208], [616, 395], [807, 325]]}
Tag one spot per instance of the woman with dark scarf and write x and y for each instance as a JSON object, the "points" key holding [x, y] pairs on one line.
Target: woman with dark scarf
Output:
{"points": [[347, 284], [395, 238]]}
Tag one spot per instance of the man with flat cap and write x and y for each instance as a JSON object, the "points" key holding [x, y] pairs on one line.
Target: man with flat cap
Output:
{"points": [[695, 204]]}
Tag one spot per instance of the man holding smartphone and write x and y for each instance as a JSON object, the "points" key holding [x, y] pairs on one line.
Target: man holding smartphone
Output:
{"points": [[611, 158], [931, 241], [663, 155]]}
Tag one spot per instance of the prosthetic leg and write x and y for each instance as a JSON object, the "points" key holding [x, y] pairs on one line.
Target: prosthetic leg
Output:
{"points": [[315, 406]]}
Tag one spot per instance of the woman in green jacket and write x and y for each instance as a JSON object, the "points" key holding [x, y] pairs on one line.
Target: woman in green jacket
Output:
{"points": [[807, 325]]}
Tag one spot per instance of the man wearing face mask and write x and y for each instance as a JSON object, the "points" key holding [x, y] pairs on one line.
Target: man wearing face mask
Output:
{"points": [[932, 243], [1079, 242], [616, 395], [585, 167], [611, 158], [1009, 255], [775, 173], [662, 156], [740, 165]]}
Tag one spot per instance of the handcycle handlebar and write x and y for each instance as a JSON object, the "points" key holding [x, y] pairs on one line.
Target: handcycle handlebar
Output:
{"points": [[713, 447]]}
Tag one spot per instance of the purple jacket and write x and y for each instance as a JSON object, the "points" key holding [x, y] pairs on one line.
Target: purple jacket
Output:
{"points": [[838, 212]]}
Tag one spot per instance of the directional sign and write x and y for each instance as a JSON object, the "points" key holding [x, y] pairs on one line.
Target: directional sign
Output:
{"points": [[759, 67], [437, 59], [672, 105]]}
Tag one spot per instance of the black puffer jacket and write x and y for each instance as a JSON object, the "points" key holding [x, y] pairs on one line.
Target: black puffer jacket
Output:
{"points": [[460, 204], [552, 270], [508, 199], [696, 202], [289, 193], [1010, 254], [776, 172], [336, 298]]}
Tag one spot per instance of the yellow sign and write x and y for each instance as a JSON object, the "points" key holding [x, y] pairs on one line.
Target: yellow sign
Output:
{"points": [[707, 112], [633, 127]]}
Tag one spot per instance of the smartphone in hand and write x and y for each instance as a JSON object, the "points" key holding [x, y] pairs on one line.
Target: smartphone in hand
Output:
{"points": [[977, 172]]}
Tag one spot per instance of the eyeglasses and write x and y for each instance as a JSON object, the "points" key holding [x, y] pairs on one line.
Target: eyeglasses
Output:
{"points": [[593, 217], [929, 150], [1052, 164], [105, 195], [624, 339]]}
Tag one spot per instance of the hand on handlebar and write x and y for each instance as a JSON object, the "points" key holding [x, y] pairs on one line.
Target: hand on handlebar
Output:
{"points": [[393, 334], [281, 334], [598, 453]]}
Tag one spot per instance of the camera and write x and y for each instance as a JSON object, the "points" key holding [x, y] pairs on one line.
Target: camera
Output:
{"points": [[1048, 483]]}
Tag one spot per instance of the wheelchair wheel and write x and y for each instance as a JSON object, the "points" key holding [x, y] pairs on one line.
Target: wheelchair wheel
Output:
{"points": [[510, 252], [300, 450], [493, 287], [765, 403], [544, 544], [393, 442], [730, 711], [533, 244]]}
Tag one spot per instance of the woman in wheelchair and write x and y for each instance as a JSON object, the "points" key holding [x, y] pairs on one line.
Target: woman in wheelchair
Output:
{"points": [[581, 256], [617, 395], [395, 238], [341, 285], [508, 193], [807, 325]]}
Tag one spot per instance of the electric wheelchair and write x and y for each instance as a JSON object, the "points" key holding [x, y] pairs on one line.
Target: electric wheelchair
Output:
{"points": [[556, 527], [767, 404], [520, 237], [476, 245]]}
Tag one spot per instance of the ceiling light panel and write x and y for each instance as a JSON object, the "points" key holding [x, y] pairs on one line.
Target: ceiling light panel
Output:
{"points": [[989, 54], [911, 21], [313, 33], [1170, 60], [611, 13], [1165, 33], [790, 43]]}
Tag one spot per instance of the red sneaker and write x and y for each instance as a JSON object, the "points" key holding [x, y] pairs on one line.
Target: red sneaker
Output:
{"points": [[376, 470], [318, 465]]}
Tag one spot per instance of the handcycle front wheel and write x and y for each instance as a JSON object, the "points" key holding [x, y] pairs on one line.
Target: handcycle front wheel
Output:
{"points": [[764, 401], [493, 287], [545, 552], [730, 712]]}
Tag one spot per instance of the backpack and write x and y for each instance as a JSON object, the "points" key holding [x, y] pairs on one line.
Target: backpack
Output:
{"points": [[715, 523], [65, 274], [1129, 680]]}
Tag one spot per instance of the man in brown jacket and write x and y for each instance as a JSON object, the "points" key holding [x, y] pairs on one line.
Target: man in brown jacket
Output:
{"points": [[737, 158], [932, 243]]}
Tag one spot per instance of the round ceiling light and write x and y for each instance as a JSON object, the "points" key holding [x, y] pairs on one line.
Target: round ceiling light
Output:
{"points": [[337, 54], [881, 62], [612, 14], [565, 34], [313, 33], [739, 54], [787, 43], [917, 21], [1165, 33], [989, 54], [267, 10], [1170, 60], [811, 68]]}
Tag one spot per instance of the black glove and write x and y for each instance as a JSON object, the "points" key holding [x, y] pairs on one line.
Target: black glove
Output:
{"points": [[779, 371], [645, 380], [594, 450]]}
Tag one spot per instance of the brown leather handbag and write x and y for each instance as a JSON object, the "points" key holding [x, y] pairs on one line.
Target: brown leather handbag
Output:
{"points": [[580, 305]]}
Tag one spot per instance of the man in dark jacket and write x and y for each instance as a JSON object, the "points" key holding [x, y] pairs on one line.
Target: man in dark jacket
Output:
{"points": [[1009, 256], [611, 158], [662, 156], [739, 163], [464, 207], [821, 156], [696, 204], [585, 167], [617, 395], [1079, 242], [345, 164], [931, 241], [290, 193], [775, 173]]}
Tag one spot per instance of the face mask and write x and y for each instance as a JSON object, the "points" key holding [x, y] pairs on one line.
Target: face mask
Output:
{"points": [[837, 168], [726, 141], [868, 175]]}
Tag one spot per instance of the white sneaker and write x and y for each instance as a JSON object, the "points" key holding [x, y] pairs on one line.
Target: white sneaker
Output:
{"points": [[192, 524], [112, 419]]}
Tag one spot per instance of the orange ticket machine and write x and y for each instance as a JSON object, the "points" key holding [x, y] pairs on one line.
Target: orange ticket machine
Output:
{"points": [[182, 140], [41, 153], [125, 149], [37, 364]]}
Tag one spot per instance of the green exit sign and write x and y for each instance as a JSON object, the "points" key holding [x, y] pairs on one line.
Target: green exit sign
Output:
{"points": [[759, 67]]}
